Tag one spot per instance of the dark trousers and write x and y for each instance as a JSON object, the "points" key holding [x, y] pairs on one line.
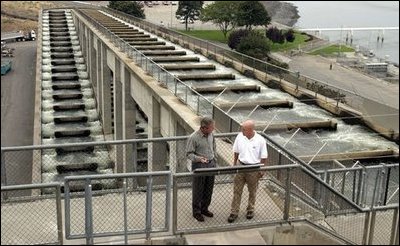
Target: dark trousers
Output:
{"points": [[202, 188]]}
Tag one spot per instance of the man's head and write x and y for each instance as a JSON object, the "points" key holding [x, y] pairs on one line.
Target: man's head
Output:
{"points": [[248, 127], [206, 125]]}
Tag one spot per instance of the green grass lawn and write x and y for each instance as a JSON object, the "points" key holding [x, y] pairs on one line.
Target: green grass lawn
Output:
{"points": [[300, 39], [216, 35], [332, 49]]}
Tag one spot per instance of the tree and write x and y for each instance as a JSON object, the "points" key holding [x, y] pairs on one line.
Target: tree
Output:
{"points": [[222, 13], [189, 10], [252, 13], [130, 7], [254, 45]]}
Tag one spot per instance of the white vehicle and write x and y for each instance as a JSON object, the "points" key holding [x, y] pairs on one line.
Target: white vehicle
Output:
{"points": [[32, 35], [26, 36]]}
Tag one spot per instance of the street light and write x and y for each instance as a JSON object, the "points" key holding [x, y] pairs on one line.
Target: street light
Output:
{"points": [[340, 41], [171, 15]]}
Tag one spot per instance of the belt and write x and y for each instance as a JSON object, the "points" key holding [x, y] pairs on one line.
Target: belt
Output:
{"points": [[247, 164]]}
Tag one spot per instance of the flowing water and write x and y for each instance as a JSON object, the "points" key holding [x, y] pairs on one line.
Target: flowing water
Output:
{"points": [[68, 106]]}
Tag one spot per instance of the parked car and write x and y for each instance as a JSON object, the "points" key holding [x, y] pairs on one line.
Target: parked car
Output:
{"points": [[5, 67]]}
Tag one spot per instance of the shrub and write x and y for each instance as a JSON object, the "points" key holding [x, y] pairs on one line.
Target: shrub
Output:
{"points": [[254, 45], [274, 34], [289, 35], [235, 37]]}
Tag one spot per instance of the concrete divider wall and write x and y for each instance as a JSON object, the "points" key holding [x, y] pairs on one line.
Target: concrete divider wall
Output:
{"points": [[37, 124], [384, 116]]}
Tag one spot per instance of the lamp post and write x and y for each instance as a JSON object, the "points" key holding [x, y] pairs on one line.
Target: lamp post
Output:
{"points": [[340, 43], [171, 14]]}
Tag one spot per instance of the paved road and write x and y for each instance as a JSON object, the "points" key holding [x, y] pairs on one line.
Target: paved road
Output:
{"points": [[17, 96], [17, 110], [318, 67]]}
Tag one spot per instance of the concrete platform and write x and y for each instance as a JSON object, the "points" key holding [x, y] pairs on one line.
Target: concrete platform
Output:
{"points": [[240, 237]]}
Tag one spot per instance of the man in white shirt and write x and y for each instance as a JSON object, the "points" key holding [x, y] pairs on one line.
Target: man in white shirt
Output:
{"points": [[249, 148]]}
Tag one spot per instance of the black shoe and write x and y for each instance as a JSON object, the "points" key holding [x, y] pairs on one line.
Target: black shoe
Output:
{"points": [[249, 215], [232, 217], [207, 213], [199, 217]]}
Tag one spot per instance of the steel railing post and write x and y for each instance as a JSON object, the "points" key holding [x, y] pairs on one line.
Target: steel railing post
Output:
{"points": [[3, 174], [125, 213], [174, 206], [372, 227], [149, 191], [59, 215], [366, 227], [88, 213], [287, 194], [168, 202], [395, 230]]}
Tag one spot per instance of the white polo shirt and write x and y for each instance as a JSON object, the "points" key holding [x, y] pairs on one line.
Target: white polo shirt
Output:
{"points": [[250, 151]]}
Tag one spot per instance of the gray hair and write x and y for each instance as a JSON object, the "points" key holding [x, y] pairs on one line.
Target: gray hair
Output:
{"points": [[206, 121]]}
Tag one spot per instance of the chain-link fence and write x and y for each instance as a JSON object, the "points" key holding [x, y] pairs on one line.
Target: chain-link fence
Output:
{"points": [[286, 192], [126, 210], [54, 162], [118, 204], [31, 219], [363, 185]]}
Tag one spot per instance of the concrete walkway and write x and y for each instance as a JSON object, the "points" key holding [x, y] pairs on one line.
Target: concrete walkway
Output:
{"points": [[240, 237], [317, 67]]}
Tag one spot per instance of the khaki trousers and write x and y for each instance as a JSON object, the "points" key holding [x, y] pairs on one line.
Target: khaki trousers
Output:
{"points": [[251, 179]]}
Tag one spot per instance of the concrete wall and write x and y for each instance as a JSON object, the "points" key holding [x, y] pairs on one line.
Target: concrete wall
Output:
{"points": [[387, 117]]}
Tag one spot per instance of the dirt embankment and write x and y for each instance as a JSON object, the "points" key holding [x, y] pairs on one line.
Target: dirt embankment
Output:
{"points": [[22, 15], [282, 12]]}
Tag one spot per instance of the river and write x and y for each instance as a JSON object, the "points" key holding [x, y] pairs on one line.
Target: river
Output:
{"points": [[330, 14]]}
